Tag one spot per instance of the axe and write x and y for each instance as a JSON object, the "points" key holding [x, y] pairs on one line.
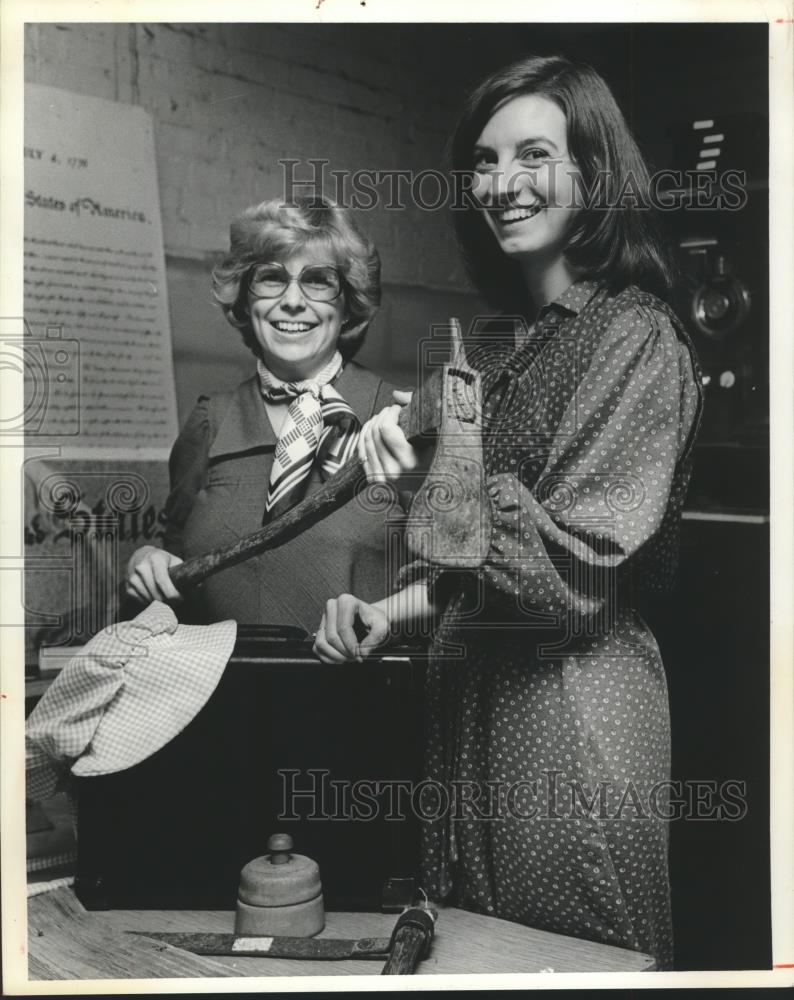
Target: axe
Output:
{"points": [[408, 945], [449, 518]]}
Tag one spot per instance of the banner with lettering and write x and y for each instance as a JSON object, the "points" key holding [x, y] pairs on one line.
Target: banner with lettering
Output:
{"points": [[97, 342], [83, 521]]}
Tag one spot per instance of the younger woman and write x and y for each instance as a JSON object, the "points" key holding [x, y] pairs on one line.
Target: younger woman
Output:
{"points": [[550, 732]]}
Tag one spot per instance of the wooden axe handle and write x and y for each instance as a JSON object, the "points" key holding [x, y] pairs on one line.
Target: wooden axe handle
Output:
{"points": [[334, 494], [419, 421], [410, 940]]}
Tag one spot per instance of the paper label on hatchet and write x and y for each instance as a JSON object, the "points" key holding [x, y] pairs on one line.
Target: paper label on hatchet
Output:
{"points": [[261, 944]]}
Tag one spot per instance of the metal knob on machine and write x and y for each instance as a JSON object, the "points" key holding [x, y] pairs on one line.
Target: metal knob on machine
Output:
{"points": [[720, 302], [280, 894]]}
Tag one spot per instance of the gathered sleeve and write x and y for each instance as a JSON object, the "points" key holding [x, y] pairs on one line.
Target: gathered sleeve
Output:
{"points": [[604, 491], [187, 471]]}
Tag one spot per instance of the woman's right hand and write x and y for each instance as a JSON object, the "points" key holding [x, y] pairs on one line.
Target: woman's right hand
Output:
{"points": [[336, 640], [386, 453], [147, 576]]}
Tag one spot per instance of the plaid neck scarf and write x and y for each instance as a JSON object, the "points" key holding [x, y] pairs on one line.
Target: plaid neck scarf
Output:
{"points": [[319, 429]]}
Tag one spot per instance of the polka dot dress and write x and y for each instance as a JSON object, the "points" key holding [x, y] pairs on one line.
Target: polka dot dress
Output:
{"points": [[548, 721]]}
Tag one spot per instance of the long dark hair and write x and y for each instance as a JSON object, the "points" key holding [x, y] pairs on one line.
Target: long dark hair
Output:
{"points": [[617, 244]]}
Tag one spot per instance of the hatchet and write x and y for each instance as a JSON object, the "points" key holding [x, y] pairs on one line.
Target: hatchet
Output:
{"points": [[449, 517], [408, 945]]}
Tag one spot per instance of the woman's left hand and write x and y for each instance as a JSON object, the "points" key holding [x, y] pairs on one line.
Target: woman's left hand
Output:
{"points": [[383, 448], [336, 640]]}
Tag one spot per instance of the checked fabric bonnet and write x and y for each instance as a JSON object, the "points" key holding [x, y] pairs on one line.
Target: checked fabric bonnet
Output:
{"points": [[130, 690]]}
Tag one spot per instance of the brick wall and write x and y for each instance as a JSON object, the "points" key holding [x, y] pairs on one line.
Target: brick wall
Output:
{"points": [[230, 101]]}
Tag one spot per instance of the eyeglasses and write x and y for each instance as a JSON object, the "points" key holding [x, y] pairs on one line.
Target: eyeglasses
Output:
{"points": [[318, 282]]}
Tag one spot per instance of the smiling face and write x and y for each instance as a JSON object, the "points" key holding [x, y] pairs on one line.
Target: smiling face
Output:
{"points": [[525, 179], [297, 336]]}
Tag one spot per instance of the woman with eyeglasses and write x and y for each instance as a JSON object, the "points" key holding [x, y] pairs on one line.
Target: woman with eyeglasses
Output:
{"points": [[301, 284]]}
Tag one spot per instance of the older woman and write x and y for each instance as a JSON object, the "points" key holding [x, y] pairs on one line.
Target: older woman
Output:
{"points": [[554, 725], [301, 284]]}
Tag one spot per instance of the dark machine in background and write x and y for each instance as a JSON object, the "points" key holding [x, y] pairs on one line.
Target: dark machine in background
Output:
{"points": [[702, 118], [719, 221], [714, 631]]}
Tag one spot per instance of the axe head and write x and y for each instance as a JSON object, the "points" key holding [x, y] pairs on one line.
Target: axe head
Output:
{"points": [[423, 418], [420, 420], [450, 517]]}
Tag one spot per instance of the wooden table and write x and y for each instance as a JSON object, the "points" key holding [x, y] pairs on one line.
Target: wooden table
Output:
{"points": [[67, 942]]}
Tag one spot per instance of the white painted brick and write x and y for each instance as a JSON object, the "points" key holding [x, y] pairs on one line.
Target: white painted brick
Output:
{"points": [[179, 140], [336, 89], [80, 79], [219, 138], [176, 231], [258, 69], [209, 237], [158, 78], [75, 38], [171, 43], [265, 39], [380, 230], [125, 66], [210, 53]]}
